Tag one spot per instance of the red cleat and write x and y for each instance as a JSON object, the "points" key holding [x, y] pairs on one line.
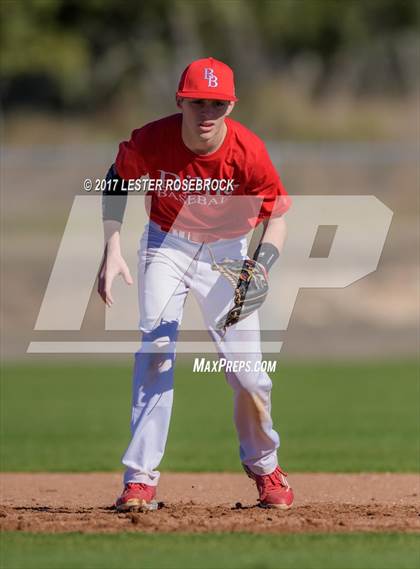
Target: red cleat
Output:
{"points": [[274, 490], [136, 496]]}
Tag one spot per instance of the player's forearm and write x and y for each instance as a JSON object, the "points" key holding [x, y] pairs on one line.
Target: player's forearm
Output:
{"points": [[272, 242], [114, 200], [114, 197], [112, 229], [275, 232]]}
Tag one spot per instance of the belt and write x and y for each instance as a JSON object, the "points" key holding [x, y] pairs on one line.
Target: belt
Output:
{"points": [[191, 235]]}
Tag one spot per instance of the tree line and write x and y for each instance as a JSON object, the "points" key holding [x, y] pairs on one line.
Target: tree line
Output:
{"points": [[77, 55]]}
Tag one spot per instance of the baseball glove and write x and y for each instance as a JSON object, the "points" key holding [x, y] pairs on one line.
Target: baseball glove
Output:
{"points": [[250, 283]]}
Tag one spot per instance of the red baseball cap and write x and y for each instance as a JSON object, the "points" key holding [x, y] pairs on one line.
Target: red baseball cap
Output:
{"points": [[207, 79]]}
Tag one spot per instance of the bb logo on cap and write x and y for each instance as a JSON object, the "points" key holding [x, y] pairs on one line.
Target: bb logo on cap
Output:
{"points": [[207, 78], [211, 77]]}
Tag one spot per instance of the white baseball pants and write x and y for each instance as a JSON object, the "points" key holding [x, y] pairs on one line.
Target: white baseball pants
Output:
{"points": [[169, 267]]}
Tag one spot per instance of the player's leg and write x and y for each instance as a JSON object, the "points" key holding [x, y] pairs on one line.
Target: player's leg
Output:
{"points": [[240, 347], [258, 440], [241, 343], [162, 293]]}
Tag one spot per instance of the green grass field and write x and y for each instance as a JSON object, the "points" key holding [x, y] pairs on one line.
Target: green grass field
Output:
{"points": [[309, 551], [354, 417], [340, 417]]}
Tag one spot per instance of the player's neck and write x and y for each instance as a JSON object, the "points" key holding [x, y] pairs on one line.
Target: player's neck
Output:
{"points": [[203, 147]]}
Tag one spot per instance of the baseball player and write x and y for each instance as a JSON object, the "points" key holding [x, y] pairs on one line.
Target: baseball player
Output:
{"points": [[210, 181]]}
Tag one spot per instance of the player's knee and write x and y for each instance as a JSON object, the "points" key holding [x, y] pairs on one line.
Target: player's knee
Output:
{"points": [[162, 336], [158, 346], [255, 382]]}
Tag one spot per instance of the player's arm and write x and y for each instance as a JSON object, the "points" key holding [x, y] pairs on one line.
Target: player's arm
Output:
{"points": [[114, 201], [265, 183], [272, 241]]}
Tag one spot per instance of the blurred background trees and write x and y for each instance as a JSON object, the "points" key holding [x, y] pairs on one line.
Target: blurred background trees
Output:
{"points": [[77, 54]]}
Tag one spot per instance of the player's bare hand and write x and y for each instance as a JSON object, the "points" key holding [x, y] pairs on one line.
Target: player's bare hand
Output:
{"points": [[112, 265]]}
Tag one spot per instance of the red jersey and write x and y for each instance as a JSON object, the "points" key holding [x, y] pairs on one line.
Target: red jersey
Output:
{"points": [[224, 194]]}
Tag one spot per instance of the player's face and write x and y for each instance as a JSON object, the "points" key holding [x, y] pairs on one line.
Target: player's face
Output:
{"points": [[205, 117]]}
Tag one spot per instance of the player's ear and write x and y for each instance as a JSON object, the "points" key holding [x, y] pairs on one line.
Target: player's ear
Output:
{"points": [[178, 102], [230, 108]]}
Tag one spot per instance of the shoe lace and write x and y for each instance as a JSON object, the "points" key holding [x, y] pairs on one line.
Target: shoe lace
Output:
{"points": [[269, 482], [133, 485]]}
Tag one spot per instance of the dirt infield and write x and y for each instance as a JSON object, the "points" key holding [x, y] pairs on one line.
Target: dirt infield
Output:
{"points": [[211, 503]]}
